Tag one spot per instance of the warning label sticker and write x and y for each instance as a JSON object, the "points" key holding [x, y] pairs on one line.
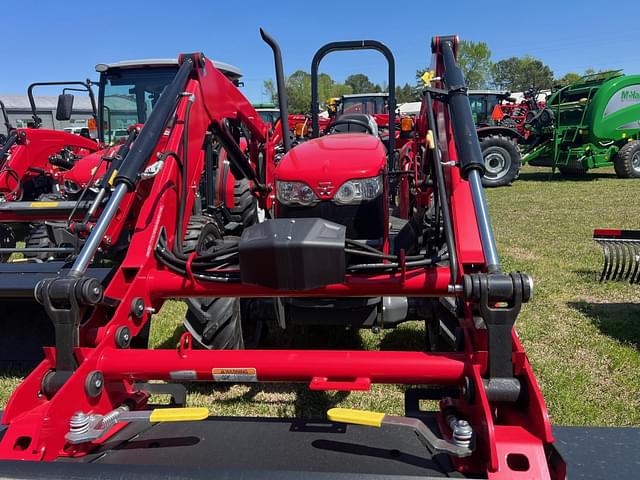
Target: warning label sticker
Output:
{"points": [[238, 375]]}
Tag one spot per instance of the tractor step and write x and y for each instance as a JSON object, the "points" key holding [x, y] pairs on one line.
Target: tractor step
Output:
{"points": [[621, 251]]}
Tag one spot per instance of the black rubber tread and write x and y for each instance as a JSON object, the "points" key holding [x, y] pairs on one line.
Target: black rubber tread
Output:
{"points": [[7, 240], [214, 323], [572, 171], [245, 205], [623, 162], [38, 238], [511, 147]]}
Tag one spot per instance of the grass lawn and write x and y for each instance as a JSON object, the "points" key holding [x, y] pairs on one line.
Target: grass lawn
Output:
{"points": [[582, 337]]}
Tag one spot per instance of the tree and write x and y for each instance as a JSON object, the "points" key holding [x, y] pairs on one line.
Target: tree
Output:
{"points": [[360, 83], [298, 86], [567, 79], [406, 93], [269, 89], [474, 59], [518, 74]]}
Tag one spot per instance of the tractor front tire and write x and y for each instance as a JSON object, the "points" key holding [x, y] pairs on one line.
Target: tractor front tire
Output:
{"points": [[38, 238], [502, 160], [627, 161], [245, 205], [214, 323]]}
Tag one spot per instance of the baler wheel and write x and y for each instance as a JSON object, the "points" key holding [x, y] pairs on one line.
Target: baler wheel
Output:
{"points": [[214, 323], [502, 160], [627, 161]]}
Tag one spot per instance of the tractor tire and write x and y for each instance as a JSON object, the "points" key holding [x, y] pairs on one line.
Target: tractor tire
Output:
{"points": [[7, 240], [245, 205], [572, 171], [214, 323], [38, 238], [627, 161], [502, 160]]}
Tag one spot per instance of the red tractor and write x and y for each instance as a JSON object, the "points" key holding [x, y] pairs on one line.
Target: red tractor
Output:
{"points": [[32, 158], [326, 241]]}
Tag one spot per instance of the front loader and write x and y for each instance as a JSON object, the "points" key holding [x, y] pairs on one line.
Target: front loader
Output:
{"points": [[61, 175], [88, 401]]}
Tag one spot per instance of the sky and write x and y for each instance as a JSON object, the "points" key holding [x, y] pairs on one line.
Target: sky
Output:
{"points": [[63, 40]]}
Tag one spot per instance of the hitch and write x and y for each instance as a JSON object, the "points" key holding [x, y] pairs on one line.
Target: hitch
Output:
{"points": [[65, 300], [500, 297]]}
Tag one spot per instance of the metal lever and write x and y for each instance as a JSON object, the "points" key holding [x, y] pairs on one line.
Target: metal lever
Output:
{"points": [[463, 441], [90, 427]]}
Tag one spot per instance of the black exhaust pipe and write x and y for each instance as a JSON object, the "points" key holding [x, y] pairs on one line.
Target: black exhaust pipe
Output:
{"points": [[282, 91]]}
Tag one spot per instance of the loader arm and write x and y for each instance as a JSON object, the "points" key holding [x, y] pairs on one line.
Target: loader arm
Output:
{"points": [[485, 381]]}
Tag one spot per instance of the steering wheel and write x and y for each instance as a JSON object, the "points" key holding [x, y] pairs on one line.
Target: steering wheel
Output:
{"points": [[351, 121]]}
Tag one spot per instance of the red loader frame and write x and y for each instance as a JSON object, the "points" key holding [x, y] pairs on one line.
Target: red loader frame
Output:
{"points": [[91, 369], [25, 154]]}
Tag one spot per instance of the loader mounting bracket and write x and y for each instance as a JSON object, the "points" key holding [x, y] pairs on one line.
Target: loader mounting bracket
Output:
{"points": [[499, 297], [443, 95], [65, 300]]}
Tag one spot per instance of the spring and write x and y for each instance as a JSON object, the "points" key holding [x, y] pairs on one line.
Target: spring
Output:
{"points": [[111, 418], [79, 423], [461, 431]]}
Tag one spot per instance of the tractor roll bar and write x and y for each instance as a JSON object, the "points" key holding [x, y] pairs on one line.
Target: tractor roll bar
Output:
{"points": [[468, 147], [355, 45], [282, 90], [34, 114], [135, 160]]}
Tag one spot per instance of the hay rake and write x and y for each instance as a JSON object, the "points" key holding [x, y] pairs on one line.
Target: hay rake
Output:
{"points": [[621, 250]]}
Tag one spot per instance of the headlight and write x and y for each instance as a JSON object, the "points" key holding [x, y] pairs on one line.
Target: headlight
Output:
{"points": [[295, 193], [358, 191]]}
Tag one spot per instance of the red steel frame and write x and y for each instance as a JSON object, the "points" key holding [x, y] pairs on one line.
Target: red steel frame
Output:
{"points": [[33, 149], [36, 425]]}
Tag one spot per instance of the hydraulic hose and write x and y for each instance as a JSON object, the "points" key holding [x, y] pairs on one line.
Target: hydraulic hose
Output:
{"points": [[153, 128], [469, 153]]}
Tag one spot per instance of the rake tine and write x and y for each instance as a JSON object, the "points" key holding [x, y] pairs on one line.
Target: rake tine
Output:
{"points": [[606, 254], [626, 270], [636, 260], [622, 257], [612, 258], [631, 250]]}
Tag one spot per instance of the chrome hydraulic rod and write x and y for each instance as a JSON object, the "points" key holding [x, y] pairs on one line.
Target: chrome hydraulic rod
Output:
{"points": [[469, 152], [484, 222], [93, 242]]}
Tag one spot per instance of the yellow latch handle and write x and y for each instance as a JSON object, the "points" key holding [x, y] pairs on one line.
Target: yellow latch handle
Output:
{"points": [[178, 414], [357, 417], [429, 139], [428, 76]]}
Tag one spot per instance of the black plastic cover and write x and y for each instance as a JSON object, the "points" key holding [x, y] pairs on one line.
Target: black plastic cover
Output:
{"points": [[293, 253]]}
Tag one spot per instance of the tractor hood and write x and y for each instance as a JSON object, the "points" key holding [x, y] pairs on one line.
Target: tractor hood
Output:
{"points": [[332, 160]]}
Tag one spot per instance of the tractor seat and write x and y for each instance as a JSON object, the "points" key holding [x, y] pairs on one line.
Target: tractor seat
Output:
{"points": [[354, 128]]}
